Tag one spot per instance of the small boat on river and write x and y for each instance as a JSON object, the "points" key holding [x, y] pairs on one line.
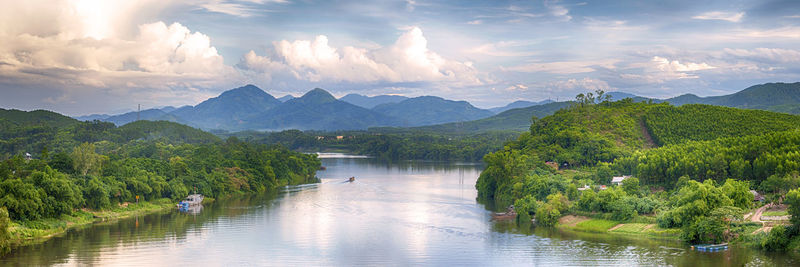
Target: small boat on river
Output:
{"points": [[352, 179], [510, 214], [711, 248], [191, 200]]}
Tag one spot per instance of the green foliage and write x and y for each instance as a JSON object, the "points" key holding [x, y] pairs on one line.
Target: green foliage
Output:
{"points": [[793, 200], [631, 186], [777, 240], [675, 125], [739, 193], [4, 236], [96, 165], [691, 202], [547, 215], [526, 208]]}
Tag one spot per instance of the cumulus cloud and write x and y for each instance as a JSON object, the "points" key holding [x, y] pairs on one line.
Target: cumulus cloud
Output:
{"points": [[407, 60], [92, 49], [667, 65], [720, 15]]}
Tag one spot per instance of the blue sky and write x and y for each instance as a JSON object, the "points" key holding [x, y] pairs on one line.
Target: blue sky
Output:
{"points": [[92, 56]]}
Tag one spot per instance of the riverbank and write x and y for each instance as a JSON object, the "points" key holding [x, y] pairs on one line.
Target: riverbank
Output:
{"points": [[37, 231], [641, 228]]}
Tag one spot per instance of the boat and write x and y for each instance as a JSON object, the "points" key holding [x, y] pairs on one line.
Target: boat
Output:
{"points": [[510, 214], [191, 200], [711, 247], [352, 179]]}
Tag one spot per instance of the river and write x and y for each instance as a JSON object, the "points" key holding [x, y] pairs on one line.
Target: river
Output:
{"points": [[410, 213]]}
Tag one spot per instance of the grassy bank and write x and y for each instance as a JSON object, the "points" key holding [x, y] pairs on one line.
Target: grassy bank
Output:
{"points": [[36, 231], [636, 228]]}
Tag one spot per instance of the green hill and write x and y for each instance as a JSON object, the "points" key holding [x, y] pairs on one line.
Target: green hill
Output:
{"points": [[428, 110], [518, 119], [624, 133], [36, 117], [778, 97], [33, 131], [170, 132]]}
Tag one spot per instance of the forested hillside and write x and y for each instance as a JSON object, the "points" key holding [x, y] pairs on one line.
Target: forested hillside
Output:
{"points": [[663, 147], [96, 165]]}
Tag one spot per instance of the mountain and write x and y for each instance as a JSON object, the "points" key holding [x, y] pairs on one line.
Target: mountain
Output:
{"points": [[370, 102], [778, 97], [229, 110], [519, 104], [286, 98], [92, 117], [147, 114], [429, 110], [36, 118], [318, 110], [518, 119]]}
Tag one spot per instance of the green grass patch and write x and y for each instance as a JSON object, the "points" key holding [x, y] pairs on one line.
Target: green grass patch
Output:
{"points": [[775, 213], [632, 228], [595, 225]]}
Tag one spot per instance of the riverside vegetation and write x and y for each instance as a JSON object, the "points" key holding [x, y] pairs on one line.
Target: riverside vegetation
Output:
{"points": [[692, 171], [84, 170]]}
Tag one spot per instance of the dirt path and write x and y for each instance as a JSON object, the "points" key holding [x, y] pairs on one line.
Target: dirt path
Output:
{"points": [[649, 143], [572, 220], [615, 227], [757, 214]]}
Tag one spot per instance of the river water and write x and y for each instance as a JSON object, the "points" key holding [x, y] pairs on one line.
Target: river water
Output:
{"points": [[398, 214]]}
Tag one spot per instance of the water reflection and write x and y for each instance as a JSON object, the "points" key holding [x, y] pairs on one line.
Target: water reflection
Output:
{"points": [[410, 213]]}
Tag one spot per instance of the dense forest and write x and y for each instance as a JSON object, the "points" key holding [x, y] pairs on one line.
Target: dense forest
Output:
{"points": [[95, 165], [411, 145], [692, 167]]}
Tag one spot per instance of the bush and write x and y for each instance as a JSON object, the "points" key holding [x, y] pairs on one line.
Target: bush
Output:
{"points": [[776, 240], [547, 215], [4, 236]]}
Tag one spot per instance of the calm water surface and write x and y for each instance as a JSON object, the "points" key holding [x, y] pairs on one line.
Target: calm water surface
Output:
{"points": [[403, 214]]}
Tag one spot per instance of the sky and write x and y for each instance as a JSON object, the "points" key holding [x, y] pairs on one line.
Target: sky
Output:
{"points": [[106, 56]]}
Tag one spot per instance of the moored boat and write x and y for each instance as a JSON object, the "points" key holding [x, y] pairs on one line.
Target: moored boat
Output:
{"points": [[191, 200]]}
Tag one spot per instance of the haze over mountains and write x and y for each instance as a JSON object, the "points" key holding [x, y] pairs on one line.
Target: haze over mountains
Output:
{"points": [[251, 108]]}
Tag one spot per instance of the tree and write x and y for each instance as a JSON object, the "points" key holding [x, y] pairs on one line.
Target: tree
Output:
{"points": [[631, 186], [4, 236], [793, 200], [85, 159]]}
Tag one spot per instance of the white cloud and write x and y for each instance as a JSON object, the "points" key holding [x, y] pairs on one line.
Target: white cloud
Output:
{"points": [[407, 60], [766, 55], [564, 67], [242, 8], [667, 65], [585, 84], [720, 15], [503, 49], [557, 10], [93, 49], [517, 87]]}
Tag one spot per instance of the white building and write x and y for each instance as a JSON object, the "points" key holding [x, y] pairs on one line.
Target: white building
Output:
{"points": [[617, 180]]}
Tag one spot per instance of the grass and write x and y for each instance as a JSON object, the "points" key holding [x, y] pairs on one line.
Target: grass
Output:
{"points": [[595, 225], [775, 213], [28, 232]]}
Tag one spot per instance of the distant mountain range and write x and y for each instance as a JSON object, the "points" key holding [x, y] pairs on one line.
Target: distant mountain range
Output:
{"points": [[369, 102], [428, 110], [519, 104], [250, 108]]}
